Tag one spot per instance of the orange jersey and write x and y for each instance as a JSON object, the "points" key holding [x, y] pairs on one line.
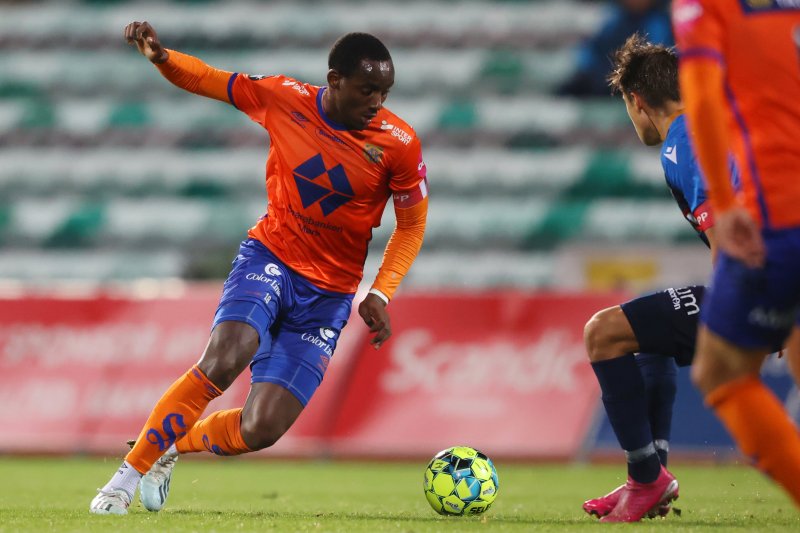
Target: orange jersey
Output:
{"points": [[327, 186], [755, 43]]}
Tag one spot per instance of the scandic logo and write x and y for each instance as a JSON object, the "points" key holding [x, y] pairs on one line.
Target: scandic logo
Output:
{"points": [[311, 192]]}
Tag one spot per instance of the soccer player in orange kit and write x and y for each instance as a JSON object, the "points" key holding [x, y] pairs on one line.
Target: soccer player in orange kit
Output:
{"points": [[336, 156], [740, 81]]}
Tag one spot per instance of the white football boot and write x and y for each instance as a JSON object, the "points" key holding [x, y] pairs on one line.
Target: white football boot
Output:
{"points": [[110, 502], [154, 486]]}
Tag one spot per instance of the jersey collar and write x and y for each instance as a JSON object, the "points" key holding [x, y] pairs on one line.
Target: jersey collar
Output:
{"points": [[324, 116]]}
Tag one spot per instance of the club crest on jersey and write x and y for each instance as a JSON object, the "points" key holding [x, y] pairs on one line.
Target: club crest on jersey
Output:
{"points": [[373, 153], [307, 178]]}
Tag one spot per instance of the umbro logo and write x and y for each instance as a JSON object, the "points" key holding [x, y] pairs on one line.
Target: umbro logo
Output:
{"points": [[312, 191]]}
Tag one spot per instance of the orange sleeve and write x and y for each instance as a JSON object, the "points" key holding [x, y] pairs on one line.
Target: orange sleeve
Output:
{"points": [[702, 90], [403, 247], [191, 74]]}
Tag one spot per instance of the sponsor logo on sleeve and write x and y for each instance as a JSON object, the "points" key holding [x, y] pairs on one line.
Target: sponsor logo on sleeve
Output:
{"points": [[422, 169]]}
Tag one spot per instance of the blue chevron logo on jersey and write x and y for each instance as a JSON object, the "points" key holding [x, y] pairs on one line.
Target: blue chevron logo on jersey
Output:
{"points": [[311, 192]]}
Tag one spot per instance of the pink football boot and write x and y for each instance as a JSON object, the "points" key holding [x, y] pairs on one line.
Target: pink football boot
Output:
{"points": [[638, 500]]}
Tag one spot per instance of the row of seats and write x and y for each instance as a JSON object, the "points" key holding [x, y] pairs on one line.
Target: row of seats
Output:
{"points": [[239, 24], [56, 72], [108, 172], [555, 117], [477, 223], [577, 172]]}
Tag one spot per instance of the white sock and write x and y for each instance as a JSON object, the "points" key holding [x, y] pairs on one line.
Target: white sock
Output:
{"points": [[172, 451], [126, 478]]}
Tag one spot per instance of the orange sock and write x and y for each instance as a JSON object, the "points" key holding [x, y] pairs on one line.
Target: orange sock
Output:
{"points": [[176, 412], [760, 426], [219, 433]]}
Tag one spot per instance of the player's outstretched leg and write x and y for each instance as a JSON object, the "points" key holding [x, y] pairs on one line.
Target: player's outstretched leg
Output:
{"points": [[177, 410], [230, 349]]}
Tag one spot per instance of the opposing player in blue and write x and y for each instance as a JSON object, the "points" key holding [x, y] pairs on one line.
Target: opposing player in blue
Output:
{"points": [[638, 391]]}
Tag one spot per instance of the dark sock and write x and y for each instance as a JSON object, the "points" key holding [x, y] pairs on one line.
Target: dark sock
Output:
{"points": [[660, 374], [624, 399]]}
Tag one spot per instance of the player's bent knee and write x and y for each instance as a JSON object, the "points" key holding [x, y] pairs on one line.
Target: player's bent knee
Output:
{"points": [[229, 351], [606, 337], [258, 435]]}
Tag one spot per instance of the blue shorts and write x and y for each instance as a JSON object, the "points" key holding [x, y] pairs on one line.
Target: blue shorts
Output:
{"points": [[665, 323], [298, 323], [756, 308]]}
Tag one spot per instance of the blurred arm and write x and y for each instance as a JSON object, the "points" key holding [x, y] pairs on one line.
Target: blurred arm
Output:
{"points": [[702, 89]]}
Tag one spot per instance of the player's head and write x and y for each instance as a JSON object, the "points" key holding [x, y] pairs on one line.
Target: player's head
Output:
{"points": [[360, 75], [646, 75]]}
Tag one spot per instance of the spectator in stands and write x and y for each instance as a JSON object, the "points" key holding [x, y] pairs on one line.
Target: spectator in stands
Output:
{"points": [[648, 17]]}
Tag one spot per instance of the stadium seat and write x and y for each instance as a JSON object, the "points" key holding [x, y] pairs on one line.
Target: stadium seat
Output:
{"points": [[100, 155]]}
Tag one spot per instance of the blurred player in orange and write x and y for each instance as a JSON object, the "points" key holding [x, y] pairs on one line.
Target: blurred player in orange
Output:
{"points": [[336, 157], [740, 81]]}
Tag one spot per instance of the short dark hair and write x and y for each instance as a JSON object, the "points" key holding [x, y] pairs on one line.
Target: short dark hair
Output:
{"points": [[351, 48], [650, 70]]}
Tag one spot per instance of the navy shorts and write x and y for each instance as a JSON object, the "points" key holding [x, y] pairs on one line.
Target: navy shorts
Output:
{"points": [[298, 323], [665, 322], [756, 308]]}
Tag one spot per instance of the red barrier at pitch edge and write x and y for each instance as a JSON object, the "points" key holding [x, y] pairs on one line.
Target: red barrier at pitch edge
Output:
{"points": [[500, 372], [504, 372]]}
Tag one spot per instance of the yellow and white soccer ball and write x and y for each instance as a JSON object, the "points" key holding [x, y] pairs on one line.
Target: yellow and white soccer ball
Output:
{"points": [[459, 481]]}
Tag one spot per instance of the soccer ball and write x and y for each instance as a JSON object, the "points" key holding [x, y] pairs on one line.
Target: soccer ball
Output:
{"points": [[460, 480]]}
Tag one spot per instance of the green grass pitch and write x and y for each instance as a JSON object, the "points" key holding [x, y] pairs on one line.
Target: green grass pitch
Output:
{"points": [[233, 494]]}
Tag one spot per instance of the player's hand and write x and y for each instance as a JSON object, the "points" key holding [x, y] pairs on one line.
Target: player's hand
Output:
{"points": [[144, 37], [373, 311], [740, 237]]}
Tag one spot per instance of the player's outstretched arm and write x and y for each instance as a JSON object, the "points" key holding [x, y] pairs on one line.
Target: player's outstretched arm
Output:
{"points": [[183, 70]]}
